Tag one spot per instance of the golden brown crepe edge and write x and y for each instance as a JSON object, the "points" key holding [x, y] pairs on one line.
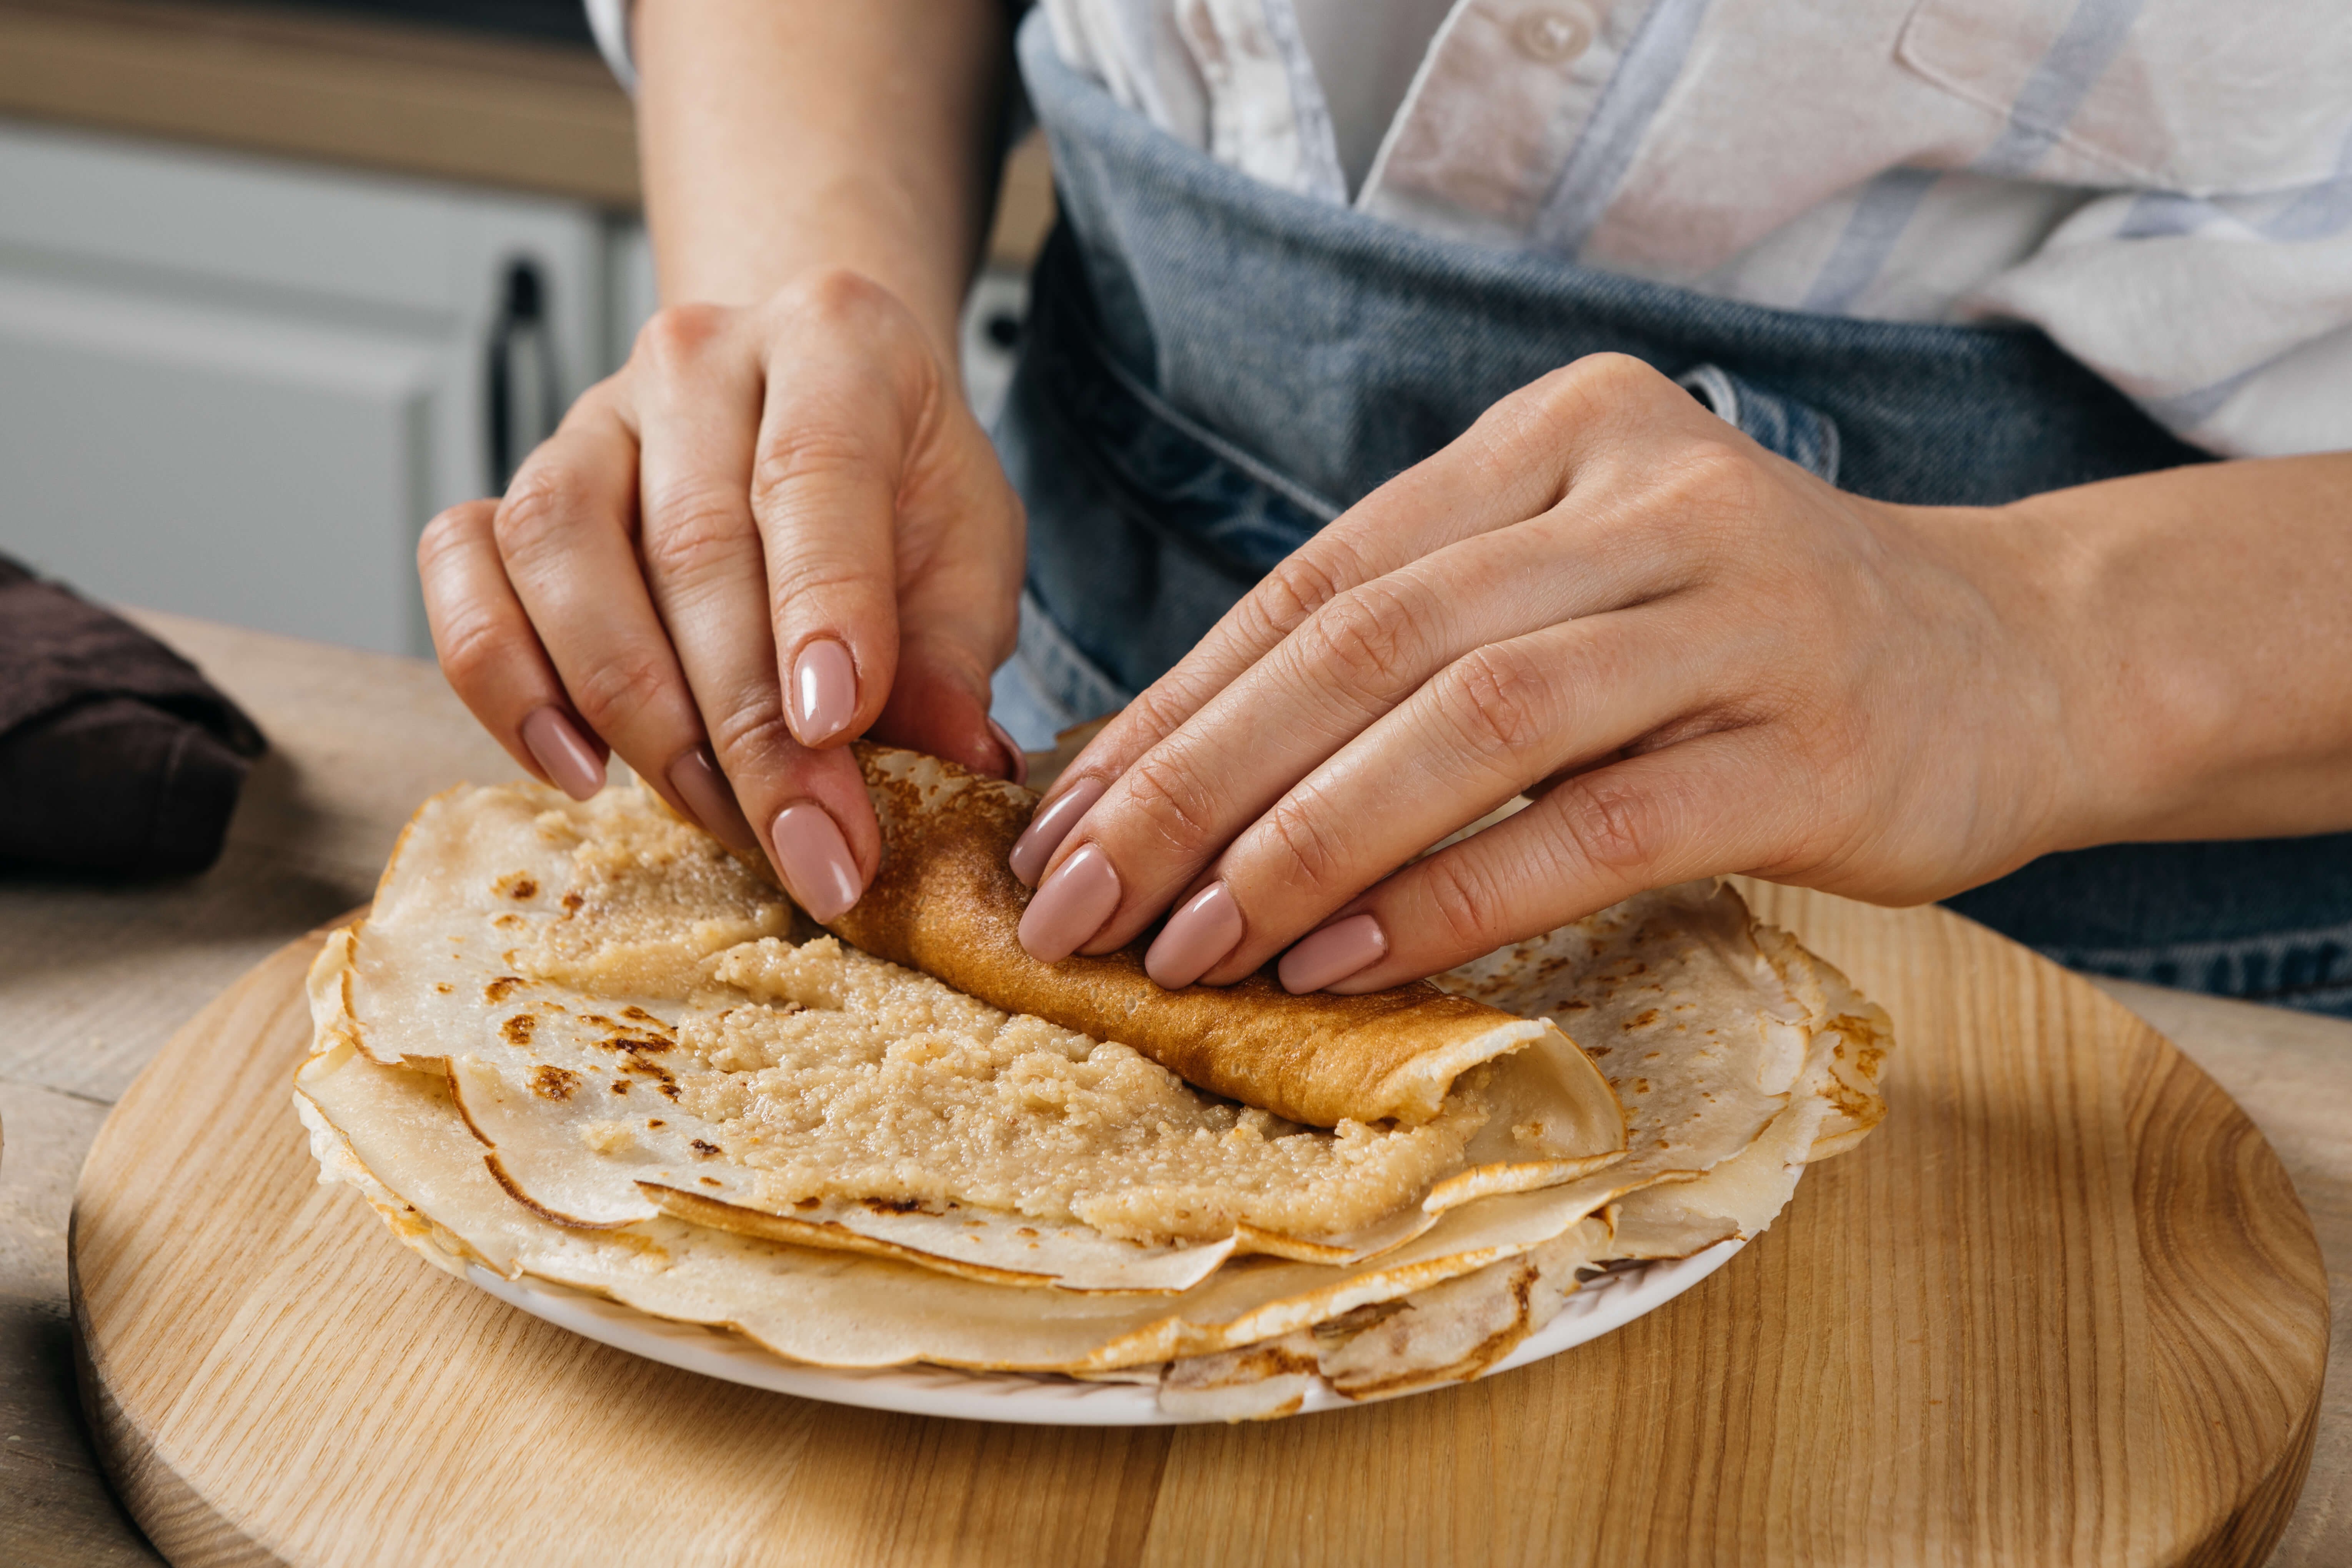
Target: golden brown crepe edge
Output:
{"points": [[945, 902]]}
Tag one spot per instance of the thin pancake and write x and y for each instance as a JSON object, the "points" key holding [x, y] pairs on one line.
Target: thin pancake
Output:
{"points": [[396, 1135], [946, 902], [474, 962]]}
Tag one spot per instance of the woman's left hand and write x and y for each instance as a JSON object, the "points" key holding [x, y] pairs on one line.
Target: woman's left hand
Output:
{"points": [[1698, 657]]}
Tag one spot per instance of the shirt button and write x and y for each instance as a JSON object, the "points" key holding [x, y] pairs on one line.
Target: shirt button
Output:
{"points": [[1554, 36]]}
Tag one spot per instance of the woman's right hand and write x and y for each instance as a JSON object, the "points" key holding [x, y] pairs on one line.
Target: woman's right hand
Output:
{"points": [[777, 528]]}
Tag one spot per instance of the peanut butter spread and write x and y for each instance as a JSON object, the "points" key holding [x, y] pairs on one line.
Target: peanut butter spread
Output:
{"points": [[650, 900], [832, 1073], [853, 1076]]}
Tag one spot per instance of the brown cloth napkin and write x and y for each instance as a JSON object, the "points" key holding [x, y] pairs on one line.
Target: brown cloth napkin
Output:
{"points": [[116, 755]]}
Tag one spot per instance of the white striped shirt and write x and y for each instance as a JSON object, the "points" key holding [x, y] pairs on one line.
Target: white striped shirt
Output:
{"points": [[2164, 186]]}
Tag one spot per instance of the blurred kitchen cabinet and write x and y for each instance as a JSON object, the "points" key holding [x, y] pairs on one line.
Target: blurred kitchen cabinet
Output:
{"points": [[238, 387]]}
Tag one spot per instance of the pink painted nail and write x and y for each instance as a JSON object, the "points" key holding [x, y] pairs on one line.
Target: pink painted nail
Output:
{"points": [[700, 784], [566, 755], [814, 860], [1195, 938], [1016, 760], [1049, 828], [1071, 907], [1332, 955], [824, 692]]}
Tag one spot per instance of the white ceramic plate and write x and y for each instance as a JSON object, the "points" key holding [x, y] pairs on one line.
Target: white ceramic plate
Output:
{"points": [[1607, 1303]]}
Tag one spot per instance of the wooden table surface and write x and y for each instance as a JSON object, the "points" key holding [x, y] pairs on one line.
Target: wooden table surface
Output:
{"points": [[93, 980]]}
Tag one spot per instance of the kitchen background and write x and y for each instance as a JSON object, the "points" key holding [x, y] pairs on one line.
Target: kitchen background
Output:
{"points": [[280, 282]]}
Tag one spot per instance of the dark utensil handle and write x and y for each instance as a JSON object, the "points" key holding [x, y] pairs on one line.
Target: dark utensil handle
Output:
{"points": [[520, 330]]}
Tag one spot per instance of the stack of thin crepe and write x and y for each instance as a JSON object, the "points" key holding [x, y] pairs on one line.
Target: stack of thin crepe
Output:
{"points": [[580, 1043]]}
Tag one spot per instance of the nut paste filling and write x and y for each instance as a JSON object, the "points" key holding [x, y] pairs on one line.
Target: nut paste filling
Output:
{"points": [[827, 1072]]}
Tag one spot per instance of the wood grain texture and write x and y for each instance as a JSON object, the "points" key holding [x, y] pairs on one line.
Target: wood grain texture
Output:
{"points": [[95, 976], [2062, 1307], [2292, 1073]]}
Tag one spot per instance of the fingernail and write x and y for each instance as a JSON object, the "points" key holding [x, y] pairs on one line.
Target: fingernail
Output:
{"points": [[1196, 936], [824, 692], [1016, 760], [1049, 828], [566, 755], [814, 860], [1071, 907], [1332, 955], [700, 784]]}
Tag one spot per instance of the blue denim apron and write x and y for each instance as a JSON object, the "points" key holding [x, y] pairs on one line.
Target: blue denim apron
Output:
{"points": [[1213, 369]]}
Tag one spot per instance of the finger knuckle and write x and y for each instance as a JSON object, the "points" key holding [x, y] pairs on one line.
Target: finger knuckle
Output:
{"points": [[1580, 392], [816, 583], [1615, 374], [748, 733], [1462, 894], [1609, 825], [694, 528], [1163, 706], [473, 648], [450, 531], [853, 337], [1698, 505], [809, 452], [680, 335], [1301, 583], [838, 295], [1367, 636], [1498, 703], [602, 401], [532, 516], [1713, 476], [619, 687], [1309, 858], [1173, 804]]}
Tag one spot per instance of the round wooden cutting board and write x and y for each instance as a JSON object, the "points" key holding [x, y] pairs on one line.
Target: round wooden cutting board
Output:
{"points": [[2062, 1307]]}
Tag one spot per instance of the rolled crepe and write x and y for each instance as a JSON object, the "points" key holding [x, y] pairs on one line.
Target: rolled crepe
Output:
{"points": [[946, 902]]}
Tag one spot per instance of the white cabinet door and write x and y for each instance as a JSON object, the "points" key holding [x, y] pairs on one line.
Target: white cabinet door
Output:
{"points": [[238, 388]]}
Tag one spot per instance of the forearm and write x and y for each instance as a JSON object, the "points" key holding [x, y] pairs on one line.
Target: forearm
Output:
{"points": [[779, 138], [2203, 620]]}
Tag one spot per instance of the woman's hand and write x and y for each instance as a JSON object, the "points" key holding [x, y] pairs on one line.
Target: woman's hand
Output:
{"points": [[775, 528], [1698, 657]]}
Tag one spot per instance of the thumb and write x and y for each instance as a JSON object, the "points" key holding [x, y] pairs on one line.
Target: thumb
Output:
{"points": [[958, 615], [939, 704]]}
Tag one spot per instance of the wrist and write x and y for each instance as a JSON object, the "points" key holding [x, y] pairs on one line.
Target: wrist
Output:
{"points": [[777, 139], [2135, 726], [841, 251], [2059, 764]]}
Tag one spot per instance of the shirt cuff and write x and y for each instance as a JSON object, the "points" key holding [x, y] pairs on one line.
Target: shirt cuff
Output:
{"points": [[609, 20]]}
